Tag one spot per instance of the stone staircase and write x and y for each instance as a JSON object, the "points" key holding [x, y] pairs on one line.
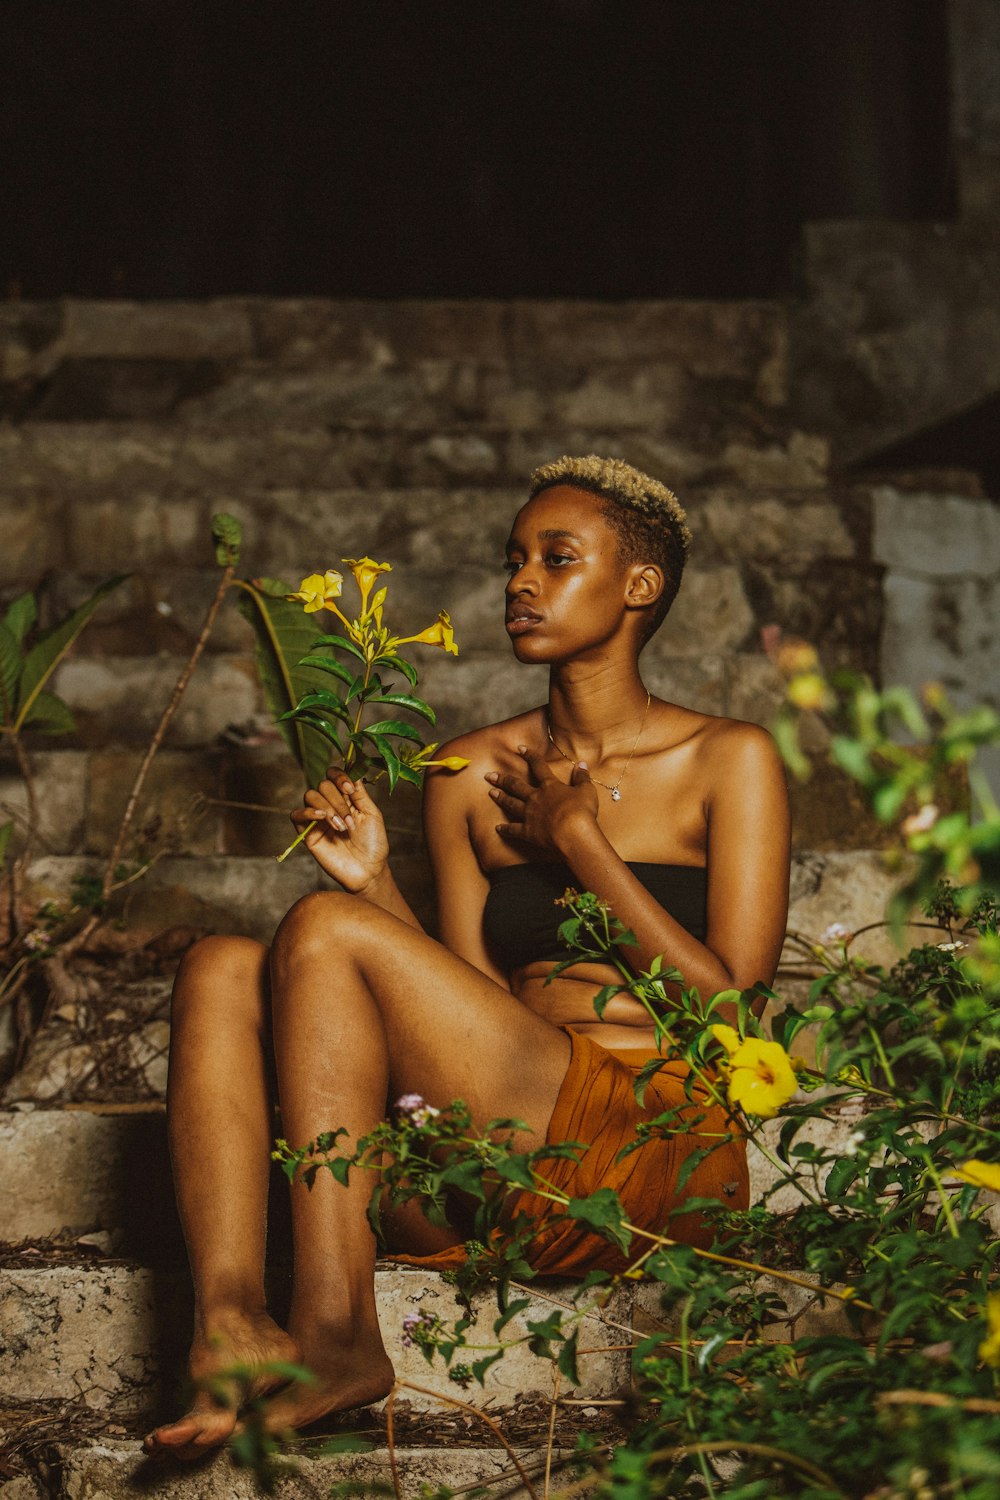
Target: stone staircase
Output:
{"points": [[95, 1311], [406, 431]]}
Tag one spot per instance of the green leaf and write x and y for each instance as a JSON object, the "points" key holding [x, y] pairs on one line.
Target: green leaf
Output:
{"points": [[43, 658], [11, 666], [6, 833], [283, 635], [603, 1213], [350, 1442], [511, 1311], [406, 700], [390, 759], [480, 1366], [566, 1362], [328, 702], [320, 726], [339, 641], [395, 727], [227, 534], [328, 664], [400, 664], [50, 715], [20, 617]]}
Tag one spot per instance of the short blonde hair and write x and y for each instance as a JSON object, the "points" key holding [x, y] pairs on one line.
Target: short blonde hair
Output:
{"points": [[648, 519]]}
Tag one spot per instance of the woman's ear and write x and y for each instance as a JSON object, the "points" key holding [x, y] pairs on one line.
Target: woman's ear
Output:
{"points": [[644, 585]]}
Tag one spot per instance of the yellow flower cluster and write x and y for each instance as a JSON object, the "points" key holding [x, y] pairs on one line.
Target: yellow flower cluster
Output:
{"points": [[319, 591], [759, 1075]]}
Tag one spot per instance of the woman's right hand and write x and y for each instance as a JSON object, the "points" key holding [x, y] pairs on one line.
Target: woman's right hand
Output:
{"points": [[349, 840]]}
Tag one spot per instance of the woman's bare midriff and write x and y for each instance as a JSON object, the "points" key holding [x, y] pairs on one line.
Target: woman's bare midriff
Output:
{"points": [[568, 1000]]}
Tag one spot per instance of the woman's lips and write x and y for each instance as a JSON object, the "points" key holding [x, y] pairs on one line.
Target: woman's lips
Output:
{"points": [[520, 621]]}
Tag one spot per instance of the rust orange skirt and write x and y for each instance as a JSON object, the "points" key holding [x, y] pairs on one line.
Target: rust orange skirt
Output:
{"points": [[597, 1105]]}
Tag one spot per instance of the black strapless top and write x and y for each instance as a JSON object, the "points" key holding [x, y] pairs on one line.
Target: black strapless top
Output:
{"points": [[521, 921]]}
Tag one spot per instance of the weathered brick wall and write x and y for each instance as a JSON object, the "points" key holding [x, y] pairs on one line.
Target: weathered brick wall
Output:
{"points": [[405, 430]]}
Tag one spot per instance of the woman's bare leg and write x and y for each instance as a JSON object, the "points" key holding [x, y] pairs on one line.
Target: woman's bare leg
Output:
{"points": [[366, 1008], [220, 1126]]}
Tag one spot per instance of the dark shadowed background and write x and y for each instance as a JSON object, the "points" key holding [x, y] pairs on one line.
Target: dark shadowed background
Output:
{"points": [[651, 148]]}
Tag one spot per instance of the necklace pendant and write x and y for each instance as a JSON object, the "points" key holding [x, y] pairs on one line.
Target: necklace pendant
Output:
{"points": [[616, 795]]}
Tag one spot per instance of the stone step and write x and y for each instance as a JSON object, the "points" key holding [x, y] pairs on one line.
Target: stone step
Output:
{"points": [[115, 1335], [118, 1470]]}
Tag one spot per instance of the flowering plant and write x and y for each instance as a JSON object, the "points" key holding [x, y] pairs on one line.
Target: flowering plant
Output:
{"points": [[359, 661], [840, 1339]]}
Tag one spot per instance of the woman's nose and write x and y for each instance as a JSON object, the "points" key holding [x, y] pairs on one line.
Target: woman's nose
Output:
{"points": [[524, 581]]}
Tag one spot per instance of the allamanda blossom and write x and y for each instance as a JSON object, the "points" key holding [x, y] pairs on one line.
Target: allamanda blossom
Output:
{"points": [[989, 1349], [982, 1174], [317, 591], [759, 1075]]}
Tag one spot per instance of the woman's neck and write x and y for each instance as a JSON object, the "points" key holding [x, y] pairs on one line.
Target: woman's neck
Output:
{"points": [[594, 710]]}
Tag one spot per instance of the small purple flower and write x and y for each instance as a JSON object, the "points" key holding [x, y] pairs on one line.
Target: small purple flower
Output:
{"points": [[414, 1322], [836, 933], [36, 941], [413, 1105]]}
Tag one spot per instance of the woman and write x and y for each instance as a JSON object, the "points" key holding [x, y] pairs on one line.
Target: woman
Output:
{"points": [[677, 819]]}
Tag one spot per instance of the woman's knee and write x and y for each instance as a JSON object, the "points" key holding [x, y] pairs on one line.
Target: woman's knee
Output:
{"points": [[321, 924], [222, 973]]}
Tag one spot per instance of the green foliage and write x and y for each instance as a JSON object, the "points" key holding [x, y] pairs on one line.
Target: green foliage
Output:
{"points": [[227, 534], [26, 665], [318, 688], [849, 1346], [283, 636]]}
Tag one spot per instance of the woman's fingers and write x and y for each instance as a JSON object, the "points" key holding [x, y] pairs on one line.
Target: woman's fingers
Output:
{"points": [[513, 807], [513, 786]]}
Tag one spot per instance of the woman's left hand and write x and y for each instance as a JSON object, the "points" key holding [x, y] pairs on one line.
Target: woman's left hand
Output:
{"points": [[542, 814]]}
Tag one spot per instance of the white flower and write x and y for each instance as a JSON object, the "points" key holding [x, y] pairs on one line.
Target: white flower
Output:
{"points": [[854, 1141], [921, 821], [836, 933], [950, 947]]}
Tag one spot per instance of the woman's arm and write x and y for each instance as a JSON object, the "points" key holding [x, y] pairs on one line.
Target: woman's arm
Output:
{"points": [[462, 887], [748, 857]]}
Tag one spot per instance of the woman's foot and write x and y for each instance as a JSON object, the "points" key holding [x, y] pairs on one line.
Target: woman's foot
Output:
{"points": [[232, 1338], [346, 1374]]}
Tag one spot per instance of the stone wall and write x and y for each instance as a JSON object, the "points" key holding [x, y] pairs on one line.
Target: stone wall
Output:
{"points": [[405, 430]]}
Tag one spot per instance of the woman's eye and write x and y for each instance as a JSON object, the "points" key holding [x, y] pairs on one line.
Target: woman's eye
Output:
{"points": [[510, 566], [556, 559]]}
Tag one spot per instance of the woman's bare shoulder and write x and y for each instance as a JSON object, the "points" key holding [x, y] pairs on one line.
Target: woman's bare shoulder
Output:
{"points": [[494, 741], [722, 742]]}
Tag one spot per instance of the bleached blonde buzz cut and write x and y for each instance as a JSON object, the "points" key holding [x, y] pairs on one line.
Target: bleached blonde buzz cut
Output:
{"points": [[619, 482], [648, 518]]}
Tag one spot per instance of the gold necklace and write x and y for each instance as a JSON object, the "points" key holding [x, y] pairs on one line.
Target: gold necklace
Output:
{"points": [[615, 790]]}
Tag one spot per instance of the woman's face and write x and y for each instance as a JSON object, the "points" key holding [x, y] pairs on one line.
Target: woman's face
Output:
{"points": [[566, 588]]}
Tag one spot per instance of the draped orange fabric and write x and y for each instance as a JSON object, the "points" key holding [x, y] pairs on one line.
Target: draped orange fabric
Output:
{"points": [[597, 1105]]}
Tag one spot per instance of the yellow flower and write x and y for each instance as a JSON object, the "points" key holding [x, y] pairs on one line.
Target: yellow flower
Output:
{"points": [[728, 1036], [795, 657], [318, 589], [449, 762], [989, 1349], [365, 572], [760, 1074], [808, 690], [982, 1174], [438, 634]]}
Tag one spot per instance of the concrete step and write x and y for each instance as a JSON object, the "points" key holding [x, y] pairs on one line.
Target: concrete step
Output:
{"points": [[118, 1470], [115, 1334]]}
